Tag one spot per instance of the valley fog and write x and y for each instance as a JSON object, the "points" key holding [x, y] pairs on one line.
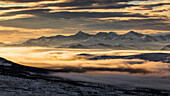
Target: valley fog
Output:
{"points": [[139, 72], [55, 58]]}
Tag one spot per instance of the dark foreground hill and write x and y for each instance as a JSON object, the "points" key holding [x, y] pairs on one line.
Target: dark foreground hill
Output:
{"points": [[18, 80]]}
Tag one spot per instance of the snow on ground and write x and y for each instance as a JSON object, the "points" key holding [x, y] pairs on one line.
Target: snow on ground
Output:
{"points": [[120, 79], [13, 86]]}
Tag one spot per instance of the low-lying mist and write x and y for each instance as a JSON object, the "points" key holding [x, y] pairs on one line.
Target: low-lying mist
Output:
{"points": [[82, 59]]}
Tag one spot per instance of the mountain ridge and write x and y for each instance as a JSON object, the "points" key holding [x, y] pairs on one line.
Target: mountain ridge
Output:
{"points": [[130, 40]]}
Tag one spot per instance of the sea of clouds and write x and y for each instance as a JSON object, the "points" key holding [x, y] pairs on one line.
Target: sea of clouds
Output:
{"points": [[121, 72]]}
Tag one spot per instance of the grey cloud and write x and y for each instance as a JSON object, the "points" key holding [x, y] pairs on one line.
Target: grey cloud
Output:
{"points": [[69, 15], [88, 2], [117, 6], [76, 2], [61, 20], [163, 10], [23, 1], [11, 8], [140, 24], [84, 20], [150, 6]]}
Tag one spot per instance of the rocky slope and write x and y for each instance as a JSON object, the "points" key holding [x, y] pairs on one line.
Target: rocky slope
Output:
{"points": [[18, 80]]}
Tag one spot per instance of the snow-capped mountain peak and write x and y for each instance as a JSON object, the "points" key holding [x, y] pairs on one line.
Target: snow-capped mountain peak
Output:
{"points": [[112, 33], [80, 33], [100, 34], [133, 34]]}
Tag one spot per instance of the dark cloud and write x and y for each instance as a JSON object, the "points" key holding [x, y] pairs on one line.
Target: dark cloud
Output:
{"points": [[11, 8], [76, 18], [71, 3], [91, 69], [59, 20], [69, 15], [117, 6], [76, 2], [133, 24], [23, 1], [150, 6], [163, 10]]}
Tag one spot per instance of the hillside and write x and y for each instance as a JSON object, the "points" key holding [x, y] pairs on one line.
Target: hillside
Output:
{"points": [[21, 80]]}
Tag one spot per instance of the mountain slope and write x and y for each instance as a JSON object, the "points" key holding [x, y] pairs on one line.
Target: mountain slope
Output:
{"points": [[57, 40], [148, 38], [130, 40], [167, 47], [104, 36], [167, 36], [133, 35]]}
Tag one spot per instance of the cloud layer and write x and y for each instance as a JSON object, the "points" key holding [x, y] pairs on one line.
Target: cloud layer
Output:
{"points": [[70, 16]]}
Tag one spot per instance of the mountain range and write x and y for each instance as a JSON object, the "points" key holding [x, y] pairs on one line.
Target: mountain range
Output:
{"points": [[130, 40]]}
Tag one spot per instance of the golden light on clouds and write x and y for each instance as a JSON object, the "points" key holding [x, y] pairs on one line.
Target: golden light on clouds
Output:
{"points": [[61, 58], [53, 17], [16, 17], [13, 34]]}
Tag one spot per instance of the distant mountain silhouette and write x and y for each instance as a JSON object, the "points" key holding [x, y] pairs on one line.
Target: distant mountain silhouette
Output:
{"points": [[130, 40]]}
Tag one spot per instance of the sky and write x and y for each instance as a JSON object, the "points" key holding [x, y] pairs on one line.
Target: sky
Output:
{"points": [[21, 20]]}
